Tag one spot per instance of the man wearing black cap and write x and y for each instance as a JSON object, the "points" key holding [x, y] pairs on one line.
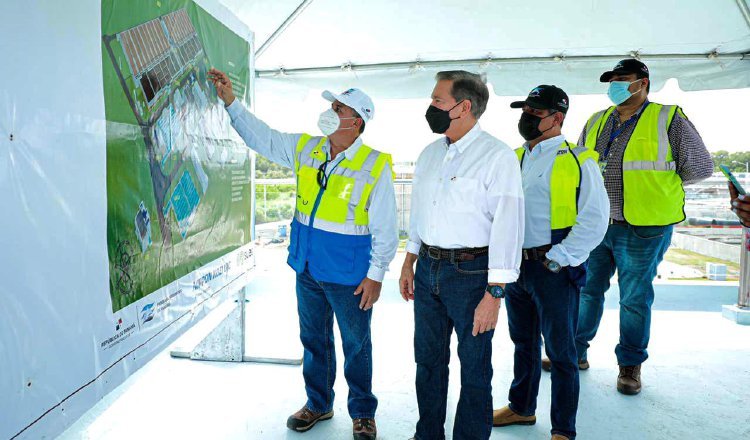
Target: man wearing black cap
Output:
{"points": [[565, 218], [647, 152]]}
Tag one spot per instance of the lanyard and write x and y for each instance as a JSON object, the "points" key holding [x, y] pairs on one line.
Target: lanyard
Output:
{"points": [[323, 182], [335, 165], [616, 132]]}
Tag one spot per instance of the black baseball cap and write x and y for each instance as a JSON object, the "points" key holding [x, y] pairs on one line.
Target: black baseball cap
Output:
{"points": [[545, 97], [626, 67]]}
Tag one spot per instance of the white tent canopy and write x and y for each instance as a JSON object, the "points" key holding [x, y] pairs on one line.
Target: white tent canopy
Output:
{"points": [[392, 48]]}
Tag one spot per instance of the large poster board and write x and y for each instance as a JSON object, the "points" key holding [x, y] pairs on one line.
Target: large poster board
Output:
{"points": [[177, 187], [127, 195]]}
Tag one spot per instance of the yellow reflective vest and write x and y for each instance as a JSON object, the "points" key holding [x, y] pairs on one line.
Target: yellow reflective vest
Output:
{"points": [[565, 183], [652, 190], [330, 232]]}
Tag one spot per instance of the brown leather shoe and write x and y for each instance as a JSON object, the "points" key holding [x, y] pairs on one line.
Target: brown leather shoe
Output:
{"points": [[364, 429], [629, 380], [547, 364], [559, 437], [506, 417], [305, 419]]}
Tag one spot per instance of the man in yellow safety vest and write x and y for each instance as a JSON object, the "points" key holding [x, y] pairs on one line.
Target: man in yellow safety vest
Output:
{"points": [[566, 218], [647, 152]]}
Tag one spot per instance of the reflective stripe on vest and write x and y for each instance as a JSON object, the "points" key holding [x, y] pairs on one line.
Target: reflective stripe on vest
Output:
{"points": [[344, 205], [565, 182], [652, 190]]}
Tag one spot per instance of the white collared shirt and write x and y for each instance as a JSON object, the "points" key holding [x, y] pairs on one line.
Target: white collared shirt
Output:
{"points": [[281, 148], [593, 205], [469, 194]]}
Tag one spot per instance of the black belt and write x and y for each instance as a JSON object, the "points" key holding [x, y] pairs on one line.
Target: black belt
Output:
{"points": [[465, 254], [618, 222], [538, 253]]}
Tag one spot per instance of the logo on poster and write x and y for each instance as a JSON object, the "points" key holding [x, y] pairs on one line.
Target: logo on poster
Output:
{"points": [[147, 313], [243, 256], [123, 331]]}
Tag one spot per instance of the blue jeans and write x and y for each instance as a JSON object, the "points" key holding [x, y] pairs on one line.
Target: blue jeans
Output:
{"points": [[635, 252], [544, 303], [316, 303], [446, 294]]}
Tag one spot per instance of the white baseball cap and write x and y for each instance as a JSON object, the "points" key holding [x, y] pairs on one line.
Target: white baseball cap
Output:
{"points": [[356, 99]]}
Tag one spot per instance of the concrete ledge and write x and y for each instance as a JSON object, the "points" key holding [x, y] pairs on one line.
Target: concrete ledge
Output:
{"points": [[737, 314], [706, 247]]}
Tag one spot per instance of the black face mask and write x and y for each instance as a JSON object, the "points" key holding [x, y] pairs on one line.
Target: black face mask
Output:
{"points": [[439, 120], [528, 126]]}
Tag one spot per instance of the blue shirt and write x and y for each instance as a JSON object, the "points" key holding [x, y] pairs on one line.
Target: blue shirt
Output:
{"points": [[593, 205]]}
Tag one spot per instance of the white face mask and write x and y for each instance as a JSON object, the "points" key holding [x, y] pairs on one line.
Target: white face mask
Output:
{"points": [[329, 122]]}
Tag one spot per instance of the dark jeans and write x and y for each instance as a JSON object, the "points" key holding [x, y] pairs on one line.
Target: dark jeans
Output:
{"points": [[544, 303], [316, 303], [445, 296], [635, 252]]}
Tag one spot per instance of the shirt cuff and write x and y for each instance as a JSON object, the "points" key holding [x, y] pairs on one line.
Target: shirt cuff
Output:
{"points": [[559, 255], [502, 276], [234, 109], [413, 247], [376, 273]]}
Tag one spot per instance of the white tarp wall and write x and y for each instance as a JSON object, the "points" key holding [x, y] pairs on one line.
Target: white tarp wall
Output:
{"points": [[64, 343]]}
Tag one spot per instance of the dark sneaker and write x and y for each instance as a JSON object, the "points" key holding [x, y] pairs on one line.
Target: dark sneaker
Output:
{"points": [[583, 364], [629, 380], [305, 419], [364, 429]]}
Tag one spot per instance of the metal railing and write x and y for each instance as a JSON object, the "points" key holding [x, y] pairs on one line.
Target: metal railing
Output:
{"points": [[743, 298]]}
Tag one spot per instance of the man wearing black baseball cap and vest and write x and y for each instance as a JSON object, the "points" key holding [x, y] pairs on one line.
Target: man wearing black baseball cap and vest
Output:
{"points": [[647, 153], [566, 216]]}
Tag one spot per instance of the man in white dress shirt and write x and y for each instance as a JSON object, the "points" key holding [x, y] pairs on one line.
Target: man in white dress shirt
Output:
{"points": [[567, 214], [343, 238], [467, 222]]}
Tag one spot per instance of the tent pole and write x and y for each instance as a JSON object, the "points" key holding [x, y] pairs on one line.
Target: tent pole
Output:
{"points": [[742, 4], [282, 28], [486, 61]]}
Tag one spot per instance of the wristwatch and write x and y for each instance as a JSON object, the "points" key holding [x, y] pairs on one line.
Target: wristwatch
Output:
{"points": [[496, 291], [552, 265]]}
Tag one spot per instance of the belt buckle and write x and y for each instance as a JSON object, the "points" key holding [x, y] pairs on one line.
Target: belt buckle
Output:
{"points": [[433, 253]]}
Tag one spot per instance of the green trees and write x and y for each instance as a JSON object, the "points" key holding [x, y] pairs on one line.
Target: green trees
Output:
{"points": [[273, 202], [738, 162], [265, 169]]}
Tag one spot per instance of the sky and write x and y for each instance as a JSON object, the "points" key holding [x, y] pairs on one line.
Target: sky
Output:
{"points": [[399, 126]]}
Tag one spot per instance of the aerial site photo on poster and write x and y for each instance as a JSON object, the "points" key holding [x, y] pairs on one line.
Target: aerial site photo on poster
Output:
{"points": [[178, 180]]}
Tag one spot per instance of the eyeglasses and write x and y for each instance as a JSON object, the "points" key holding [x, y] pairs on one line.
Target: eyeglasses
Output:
{"points": [[322, 178]]}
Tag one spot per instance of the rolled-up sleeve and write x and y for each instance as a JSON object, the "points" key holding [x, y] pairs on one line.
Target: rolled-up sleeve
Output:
{"points": [[382, 224], [591, 223], [276, 146], [505, 201]]}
